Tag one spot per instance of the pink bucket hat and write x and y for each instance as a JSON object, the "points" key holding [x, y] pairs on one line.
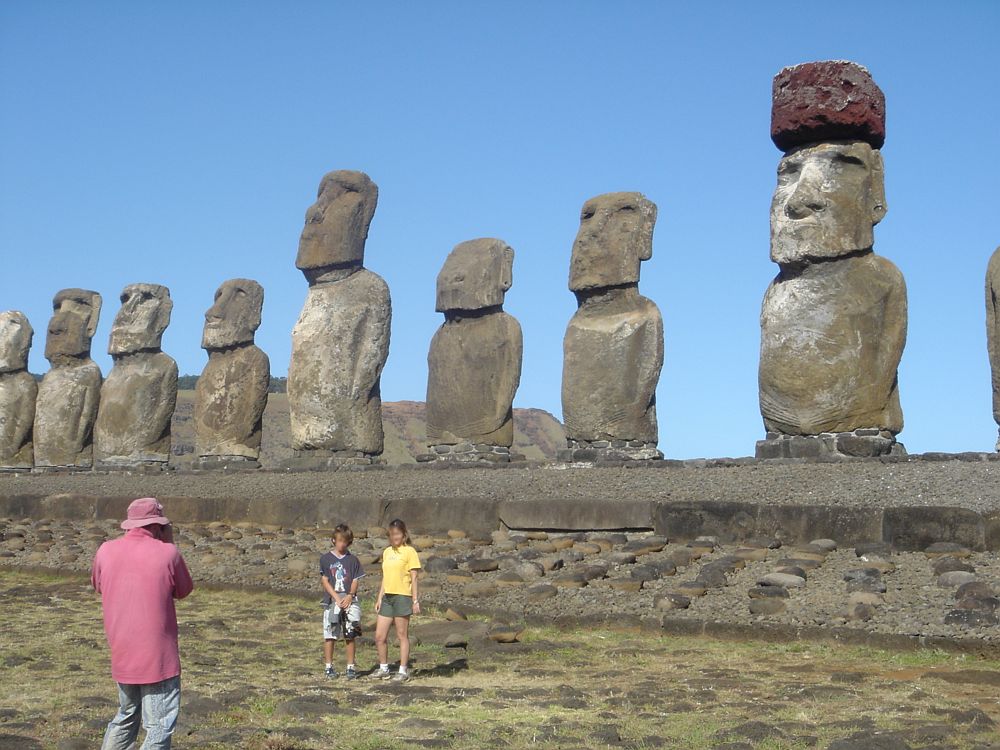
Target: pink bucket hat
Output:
{"points": [[143, 512]]}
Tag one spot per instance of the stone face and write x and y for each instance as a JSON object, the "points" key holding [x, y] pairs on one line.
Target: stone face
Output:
{"points": [[993, 329], [833, 322], [140, 393], [826, 101], [474, 362], [68, 396], [231, 393], [613, 348], [341, 340], [18, 392]]}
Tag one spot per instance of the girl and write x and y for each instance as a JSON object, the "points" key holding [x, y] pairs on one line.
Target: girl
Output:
{"points": [[397, 599]]}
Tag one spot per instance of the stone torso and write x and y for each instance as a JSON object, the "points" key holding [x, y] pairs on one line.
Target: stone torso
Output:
{"points": [[831, 340], [229, 403], [18, 391], [137, 402], [64, 415], [339, 346], [474, 367], [612, 355]]}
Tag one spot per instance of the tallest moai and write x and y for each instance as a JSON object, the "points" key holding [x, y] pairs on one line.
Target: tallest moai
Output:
{"points": [[341, 340], [833, 321]]}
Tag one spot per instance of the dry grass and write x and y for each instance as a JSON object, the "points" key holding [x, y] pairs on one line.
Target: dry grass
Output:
{"points": [[247, 655]]}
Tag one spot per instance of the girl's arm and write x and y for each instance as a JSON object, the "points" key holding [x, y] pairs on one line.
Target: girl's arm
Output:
{"points": [[414, 576], [378, 597]]}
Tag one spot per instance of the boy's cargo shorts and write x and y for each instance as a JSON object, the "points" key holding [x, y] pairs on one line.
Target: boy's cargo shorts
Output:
{"points": [[396, 605], [331, 620]]}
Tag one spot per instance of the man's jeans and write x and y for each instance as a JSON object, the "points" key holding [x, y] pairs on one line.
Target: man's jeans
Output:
{"points": [[157, 705]]}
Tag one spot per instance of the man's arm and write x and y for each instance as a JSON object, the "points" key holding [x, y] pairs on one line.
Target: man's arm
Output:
{"points": [[95, 573], [183, 584]]}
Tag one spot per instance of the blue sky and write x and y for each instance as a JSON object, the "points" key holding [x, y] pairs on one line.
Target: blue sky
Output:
{"points": [[181, 143]]}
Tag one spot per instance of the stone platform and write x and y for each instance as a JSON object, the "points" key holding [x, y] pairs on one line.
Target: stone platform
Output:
{"points": [[907, 501]]}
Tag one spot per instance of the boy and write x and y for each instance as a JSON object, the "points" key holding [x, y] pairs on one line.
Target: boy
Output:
{"points": [[340, 571]]}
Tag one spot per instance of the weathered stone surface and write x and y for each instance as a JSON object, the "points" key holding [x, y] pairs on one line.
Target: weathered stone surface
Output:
{"points": [[474, 362], [832, 333], [140, 393], [70, 392], [341, 340], [613, 348], [18, 392], [830, 100], [231, 393], [993, 329]]}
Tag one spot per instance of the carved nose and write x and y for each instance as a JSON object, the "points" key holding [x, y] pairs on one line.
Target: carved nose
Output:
{"points": [[804, 202]]}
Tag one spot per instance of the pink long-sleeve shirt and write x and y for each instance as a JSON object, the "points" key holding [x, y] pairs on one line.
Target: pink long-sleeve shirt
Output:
{"points": [[138, 577]]}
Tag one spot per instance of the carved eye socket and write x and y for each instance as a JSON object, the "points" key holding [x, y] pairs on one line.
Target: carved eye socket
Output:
{"points": [[240, 293], [588, 213]]}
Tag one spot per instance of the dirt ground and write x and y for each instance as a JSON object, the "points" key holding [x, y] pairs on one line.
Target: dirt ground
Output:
{"points": [[253, 678]]}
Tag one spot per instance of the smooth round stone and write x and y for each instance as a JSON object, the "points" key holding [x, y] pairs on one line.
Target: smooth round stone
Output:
{"points": [[563, 542], [955, 578], [683, 557], [483, 565], [455, 614], [603, 542], [644, 573], [792, 570], [766, 607], [762, 542], [882, 549], [786, 580], [826, 545], [672, 601], [768, 592], [537, 536], [712, 578], [974, 588], [458, 576], [440, 564], [645, 545], [587, 548], [798, 562], [421, 543], [664, 567], [621, 558], [544, 548], [593, 572], [980, 603], [509, 578], [691, 589], [480, 589], [540, 592], [504, 632], [948, 564], [550, 563], [456, 534], [574, 580], [529, 570]]}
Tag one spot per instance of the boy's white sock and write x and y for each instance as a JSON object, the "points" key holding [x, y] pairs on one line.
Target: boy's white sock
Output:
{"points": [[402, 669], [383, 667], [329, 665], [350, 666]]}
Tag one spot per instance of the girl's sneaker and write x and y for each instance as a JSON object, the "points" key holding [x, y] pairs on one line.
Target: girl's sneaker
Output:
{"points": [[381, 674], [401, 677]]}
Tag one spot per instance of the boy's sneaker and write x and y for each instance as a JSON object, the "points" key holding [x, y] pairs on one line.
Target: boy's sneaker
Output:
{"points": [[330, 672], [381, 674], [352, 673], [401, 677]]}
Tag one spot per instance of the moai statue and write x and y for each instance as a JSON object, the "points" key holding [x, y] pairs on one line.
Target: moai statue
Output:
{"points": [[18, 391], [140, 393], [474, 363], [613, 349], [993, 329], [71, 390], [341, 340], [232, 391], [833, 321]]}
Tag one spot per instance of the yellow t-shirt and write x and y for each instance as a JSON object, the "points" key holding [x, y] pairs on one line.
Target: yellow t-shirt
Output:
{"points": [[396, 566]]}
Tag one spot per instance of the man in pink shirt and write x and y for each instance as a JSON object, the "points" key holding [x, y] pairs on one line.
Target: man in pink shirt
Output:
{"points": [[138, 576]]}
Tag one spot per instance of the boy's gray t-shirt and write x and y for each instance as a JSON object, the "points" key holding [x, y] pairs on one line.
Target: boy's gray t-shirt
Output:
{"points": [[341, 572]]}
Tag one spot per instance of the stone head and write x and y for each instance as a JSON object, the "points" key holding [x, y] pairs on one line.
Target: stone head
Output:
{"points": [[476, 274], [142, 319], [616, 234], [75, 313], [337, 223], [15, 341], [235, 315], [828, 199]]}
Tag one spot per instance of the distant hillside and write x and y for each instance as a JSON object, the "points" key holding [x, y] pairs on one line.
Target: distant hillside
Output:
{"points": [[537, 434]]}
